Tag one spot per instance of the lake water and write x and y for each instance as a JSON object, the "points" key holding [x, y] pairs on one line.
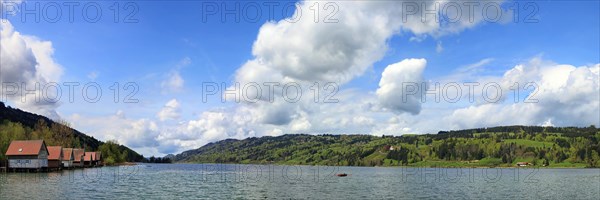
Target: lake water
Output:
{"points": [[223, 181]]}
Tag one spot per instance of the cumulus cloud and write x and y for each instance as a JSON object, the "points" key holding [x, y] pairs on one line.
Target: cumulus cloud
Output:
{"points": [[393, 126], [311, 51], [564, 95], [400, 88], [305, 52], [212, 126], [301, 51], [27, 61], [139, 134], [301, 123], [170, 111]]}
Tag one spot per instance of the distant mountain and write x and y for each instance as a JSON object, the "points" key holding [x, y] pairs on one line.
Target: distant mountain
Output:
{"points": [[31, 120], [496, 146], [169, 156]]}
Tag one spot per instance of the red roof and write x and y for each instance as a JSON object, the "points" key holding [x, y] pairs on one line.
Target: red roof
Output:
{"points": [[54, 153], [89, 156], [25, 147], [78, 153], [68, 154]]}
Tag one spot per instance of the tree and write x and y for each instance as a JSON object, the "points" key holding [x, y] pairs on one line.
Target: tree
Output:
{"points": [[112, 153], [594, 160], [63, 134]]}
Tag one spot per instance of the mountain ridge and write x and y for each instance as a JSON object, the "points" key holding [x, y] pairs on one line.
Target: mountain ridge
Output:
{"points": [[493, 146]]}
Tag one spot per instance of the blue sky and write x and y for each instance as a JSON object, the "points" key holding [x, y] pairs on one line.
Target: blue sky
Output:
{"points": [[170, 41]]}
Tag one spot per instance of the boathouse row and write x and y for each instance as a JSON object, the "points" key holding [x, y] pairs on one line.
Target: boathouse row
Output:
{"points": [[26, 155]]}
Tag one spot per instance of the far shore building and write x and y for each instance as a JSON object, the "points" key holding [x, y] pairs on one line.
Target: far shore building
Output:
{"points": [[27, 155], [67, 161], [55, 157], [78, 157]]}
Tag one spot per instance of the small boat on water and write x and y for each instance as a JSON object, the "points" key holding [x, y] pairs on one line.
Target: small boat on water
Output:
{"points": [[342, 175]]}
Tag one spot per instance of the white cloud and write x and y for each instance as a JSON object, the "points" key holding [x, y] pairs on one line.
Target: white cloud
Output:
{"points": [[475, 68], [336, 52], [170, 111], [28, 60], [219, 125], [438, 47], [174, 82], [400, 88], [417, 38], [547, 123], [43, 50], [469, 72], [301, 124], [305, 52], [393, 126], [309, 51], [139, 134], [274, 132], [467, 18], [566, 96]]}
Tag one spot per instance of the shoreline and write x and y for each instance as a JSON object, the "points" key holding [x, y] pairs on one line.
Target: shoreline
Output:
{"points": [[125, 164], [462, 167], [122, 164]]}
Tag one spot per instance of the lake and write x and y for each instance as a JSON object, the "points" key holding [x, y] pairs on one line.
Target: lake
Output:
{"points": [[225, 181]]}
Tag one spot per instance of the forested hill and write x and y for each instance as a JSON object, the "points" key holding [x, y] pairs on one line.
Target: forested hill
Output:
{"points": [[484, 147], [16, 124]]}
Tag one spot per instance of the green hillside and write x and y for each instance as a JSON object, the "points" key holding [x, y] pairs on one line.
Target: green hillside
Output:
{"points": [[485, 147], [16, 124]]}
